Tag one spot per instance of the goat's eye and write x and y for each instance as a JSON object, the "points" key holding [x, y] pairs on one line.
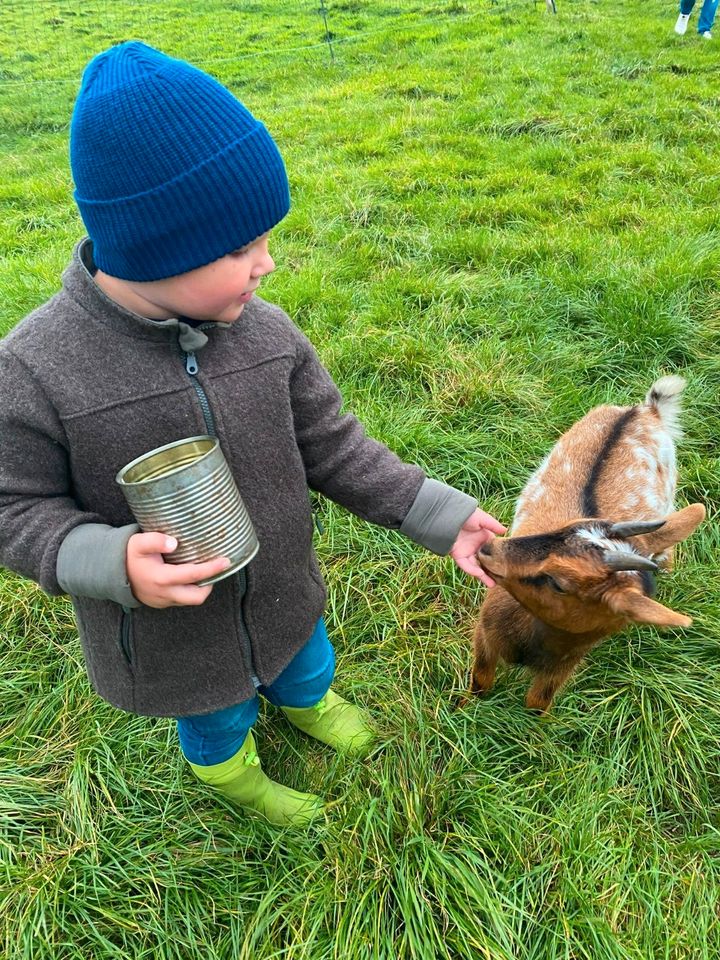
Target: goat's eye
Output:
{"points": [[543, 580], [553, 584]]}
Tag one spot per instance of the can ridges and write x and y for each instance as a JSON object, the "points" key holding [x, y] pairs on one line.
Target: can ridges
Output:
{"points": [[192, 496]]}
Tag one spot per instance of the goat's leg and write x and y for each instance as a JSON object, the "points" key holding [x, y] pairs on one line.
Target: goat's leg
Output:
{"points": [[483, 670], [547, 683], [485, 663]]}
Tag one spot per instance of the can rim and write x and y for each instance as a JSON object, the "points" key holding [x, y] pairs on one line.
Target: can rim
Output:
{"points": [[167, 446]]}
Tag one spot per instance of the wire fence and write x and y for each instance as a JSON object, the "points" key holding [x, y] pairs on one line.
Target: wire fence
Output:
{"points": [[246, 44], [48, 41]]}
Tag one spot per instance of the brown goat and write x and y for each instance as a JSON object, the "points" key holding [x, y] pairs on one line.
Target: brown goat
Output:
{"points": [[591, 526]]}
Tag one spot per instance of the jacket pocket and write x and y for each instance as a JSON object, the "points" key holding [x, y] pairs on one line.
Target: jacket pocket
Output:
{"points": [[314, 569], [126, 636]]}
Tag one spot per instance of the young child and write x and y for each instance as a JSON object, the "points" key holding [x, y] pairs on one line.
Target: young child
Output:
{"points": [[157, 335]]}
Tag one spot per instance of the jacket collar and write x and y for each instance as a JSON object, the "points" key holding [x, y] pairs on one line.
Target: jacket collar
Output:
{"points": [[80, 286]]}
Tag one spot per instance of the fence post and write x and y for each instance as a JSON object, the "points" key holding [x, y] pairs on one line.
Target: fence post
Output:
{"points": [[328, 38]]}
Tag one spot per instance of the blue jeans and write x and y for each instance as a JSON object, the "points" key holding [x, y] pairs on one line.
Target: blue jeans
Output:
{"points": [[214, 737], [707, 14]]}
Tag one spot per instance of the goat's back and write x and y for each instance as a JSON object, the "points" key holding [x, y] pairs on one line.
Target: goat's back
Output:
{"points": [[616, 462]]}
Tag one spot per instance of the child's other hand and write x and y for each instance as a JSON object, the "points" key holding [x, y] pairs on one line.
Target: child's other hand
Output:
{"points": [[476, 531], [159, 584]]}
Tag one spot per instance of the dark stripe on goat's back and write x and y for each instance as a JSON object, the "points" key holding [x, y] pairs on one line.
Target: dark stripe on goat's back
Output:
{"points": [[589, 493]]}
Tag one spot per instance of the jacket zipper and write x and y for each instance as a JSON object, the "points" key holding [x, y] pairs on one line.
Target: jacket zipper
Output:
{"points": [[191, 368]]}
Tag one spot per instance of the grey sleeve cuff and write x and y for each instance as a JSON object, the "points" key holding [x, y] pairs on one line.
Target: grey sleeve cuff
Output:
{"points": [[91, 563], [436, 516]]}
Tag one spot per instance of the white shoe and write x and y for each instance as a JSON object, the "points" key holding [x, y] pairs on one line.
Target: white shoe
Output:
{"points": [[681, 24], [707, 35]]}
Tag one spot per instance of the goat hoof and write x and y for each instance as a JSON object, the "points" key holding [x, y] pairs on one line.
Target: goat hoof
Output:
{"points": [[539, 706], [481, 685], [467, 698], [464, 701]]}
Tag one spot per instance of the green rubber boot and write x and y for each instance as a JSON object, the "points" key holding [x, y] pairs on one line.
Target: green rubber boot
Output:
{"points": [[242, 780], [336, 722]]}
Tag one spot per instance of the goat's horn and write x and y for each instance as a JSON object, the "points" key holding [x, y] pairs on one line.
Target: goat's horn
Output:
{"points": [[633, 528], [628, 561]]}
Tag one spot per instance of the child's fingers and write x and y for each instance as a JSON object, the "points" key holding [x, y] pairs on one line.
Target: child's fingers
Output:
{"points": [[471, 566], [490, 523], [181, 574], [177, 595], [483, 536], [186, 595], [150, 544], [159, 584], [146, 546]]}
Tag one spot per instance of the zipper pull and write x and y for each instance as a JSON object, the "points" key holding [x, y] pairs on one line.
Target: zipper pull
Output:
{"points": [[191, 364]]}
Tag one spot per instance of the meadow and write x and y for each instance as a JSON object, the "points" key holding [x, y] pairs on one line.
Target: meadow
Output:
{"points": [[500, 219]]}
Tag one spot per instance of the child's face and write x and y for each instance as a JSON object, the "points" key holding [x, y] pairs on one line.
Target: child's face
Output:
{"points": [[218, 291]]}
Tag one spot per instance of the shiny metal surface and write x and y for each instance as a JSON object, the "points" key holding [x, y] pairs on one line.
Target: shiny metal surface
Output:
{"points": [[185, 489]]}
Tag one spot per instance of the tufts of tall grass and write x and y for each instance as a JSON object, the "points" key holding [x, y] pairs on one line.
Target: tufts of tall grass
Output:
{"points": [[500, 219]]}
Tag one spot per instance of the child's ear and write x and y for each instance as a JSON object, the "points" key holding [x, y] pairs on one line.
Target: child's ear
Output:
{"points": [[678, 526], [636, 606]]}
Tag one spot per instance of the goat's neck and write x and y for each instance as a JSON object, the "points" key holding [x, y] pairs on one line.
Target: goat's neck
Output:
{"points": [[556, 638], [536, 630]]}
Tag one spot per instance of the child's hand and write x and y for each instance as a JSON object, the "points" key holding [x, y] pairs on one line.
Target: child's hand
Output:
{"points": [[476, 531], [159, 584]]}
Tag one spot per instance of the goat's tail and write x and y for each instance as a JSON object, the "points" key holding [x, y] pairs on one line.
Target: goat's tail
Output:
{"points": [[664, 397]]}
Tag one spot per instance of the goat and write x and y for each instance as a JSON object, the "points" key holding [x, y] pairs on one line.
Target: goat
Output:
{"points": [[591, 527]]}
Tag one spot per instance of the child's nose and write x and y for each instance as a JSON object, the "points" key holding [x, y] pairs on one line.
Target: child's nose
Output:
{"points": [[265, 266]]}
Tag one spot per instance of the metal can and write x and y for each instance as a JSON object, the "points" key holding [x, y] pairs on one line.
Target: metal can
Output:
{"points": [[185, 490]]}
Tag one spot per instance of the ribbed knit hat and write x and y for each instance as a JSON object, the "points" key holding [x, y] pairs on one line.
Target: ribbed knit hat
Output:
{"points": [[171, 171]]}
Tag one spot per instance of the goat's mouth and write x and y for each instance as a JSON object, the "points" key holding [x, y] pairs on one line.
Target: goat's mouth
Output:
{"points": [[486, 562]]}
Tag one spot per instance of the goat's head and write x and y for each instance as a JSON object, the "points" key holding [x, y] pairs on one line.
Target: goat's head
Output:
{"points": [[588, 576]]}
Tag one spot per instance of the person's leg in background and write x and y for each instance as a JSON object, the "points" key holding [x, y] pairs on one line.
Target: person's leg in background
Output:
{"points": [[303, 693], [707, 17], [220, 749], [681, 23]]}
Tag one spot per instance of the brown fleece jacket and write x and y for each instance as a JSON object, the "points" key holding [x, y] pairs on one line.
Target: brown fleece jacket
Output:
{"points": [[86, 386]]}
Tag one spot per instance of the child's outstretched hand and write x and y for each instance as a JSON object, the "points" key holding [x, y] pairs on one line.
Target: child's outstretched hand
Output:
{"points": [[159, 584], [476, 531]]}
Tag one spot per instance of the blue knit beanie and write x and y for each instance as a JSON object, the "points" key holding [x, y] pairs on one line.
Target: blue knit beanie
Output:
{"points": [[171, 171]]}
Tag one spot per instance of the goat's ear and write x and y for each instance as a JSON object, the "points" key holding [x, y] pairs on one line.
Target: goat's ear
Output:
{"points": [[636, 606], [677, 527]]}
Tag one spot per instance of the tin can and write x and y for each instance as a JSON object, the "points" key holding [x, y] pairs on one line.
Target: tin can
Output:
{"points": [[185, 490]]}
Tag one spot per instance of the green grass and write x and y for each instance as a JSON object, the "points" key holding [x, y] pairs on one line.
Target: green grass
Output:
{"points": [[500, 219]]}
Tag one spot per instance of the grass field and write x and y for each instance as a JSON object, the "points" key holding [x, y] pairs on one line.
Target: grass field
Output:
{"points": [[500, 218]]}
